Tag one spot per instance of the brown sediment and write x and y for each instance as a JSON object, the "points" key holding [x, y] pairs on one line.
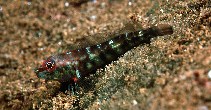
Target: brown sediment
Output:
{"points": [[170, 73]]}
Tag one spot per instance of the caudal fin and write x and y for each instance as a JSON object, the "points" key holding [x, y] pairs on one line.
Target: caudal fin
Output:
{"points": [[162, 29]]}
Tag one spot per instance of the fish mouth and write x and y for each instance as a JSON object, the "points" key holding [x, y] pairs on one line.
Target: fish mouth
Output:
{"points": [[40, 72]]}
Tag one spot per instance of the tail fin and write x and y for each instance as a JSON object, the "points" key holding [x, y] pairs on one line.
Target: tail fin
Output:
{"points": [[162, 29]]}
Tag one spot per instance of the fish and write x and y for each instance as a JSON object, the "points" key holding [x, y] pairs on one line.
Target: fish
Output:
{"points": [[74, 65]]}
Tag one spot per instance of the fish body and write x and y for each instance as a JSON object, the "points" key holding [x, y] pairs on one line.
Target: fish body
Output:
{"points": [[76, 64]]}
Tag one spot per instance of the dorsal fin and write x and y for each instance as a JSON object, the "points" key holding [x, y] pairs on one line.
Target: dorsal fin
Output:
{"points": [[103, 35]]}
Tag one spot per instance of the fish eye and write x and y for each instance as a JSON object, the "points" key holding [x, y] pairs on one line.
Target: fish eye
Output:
{"points": [[50, 64]]}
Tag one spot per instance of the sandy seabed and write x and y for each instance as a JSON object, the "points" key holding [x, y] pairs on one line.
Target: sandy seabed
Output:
{"points": [[172, 72]]}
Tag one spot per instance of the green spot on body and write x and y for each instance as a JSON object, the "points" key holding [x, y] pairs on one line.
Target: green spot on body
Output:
{"points": [[98, 60], [72, 72], [118, 50], [89, 65], [109, 56], [57, 74], [83, 57], [115, 45], [92, 56]]}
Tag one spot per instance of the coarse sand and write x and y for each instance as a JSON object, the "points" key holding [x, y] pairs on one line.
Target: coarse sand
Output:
{"points": [[172, 72]]}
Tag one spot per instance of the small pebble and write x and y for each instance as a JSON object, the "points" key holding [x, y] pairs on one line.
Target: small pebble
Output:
{"points": [[203, 108], [93, 17], [66, 4], [1, 8], [39, 44], [29, 3], [142, 90], [135, 102], [209, 74]]}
